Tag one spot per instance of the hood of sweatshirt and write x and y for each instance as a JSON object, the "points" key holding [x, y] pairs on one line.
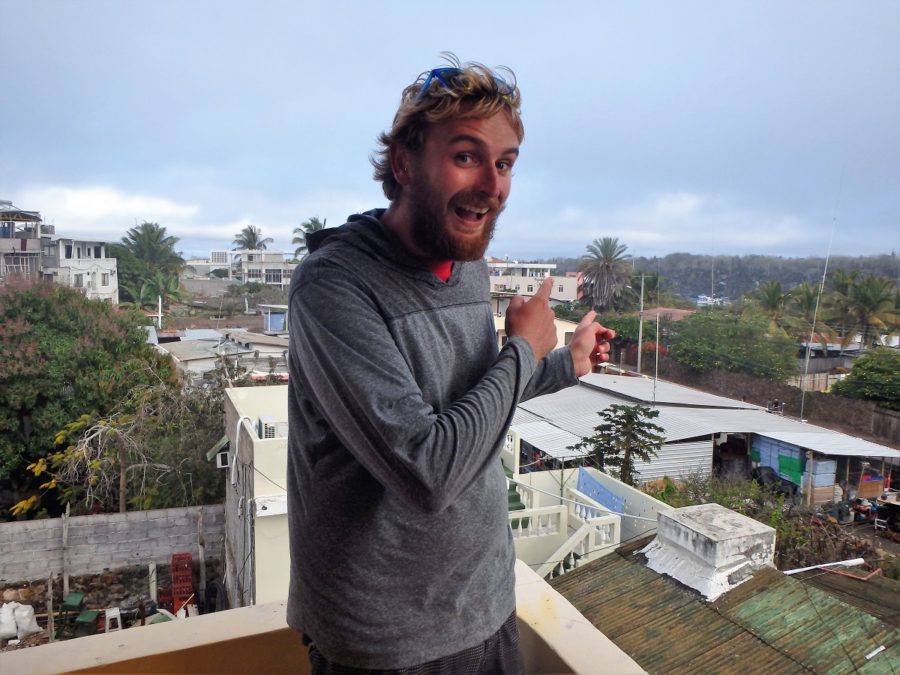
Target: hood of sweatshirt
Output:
{"points": [[365, 232]]}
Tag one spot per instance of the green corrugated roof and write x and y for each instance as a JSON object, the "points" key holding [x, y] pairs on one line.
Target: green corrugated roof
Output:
{"points": [[770, 624]]}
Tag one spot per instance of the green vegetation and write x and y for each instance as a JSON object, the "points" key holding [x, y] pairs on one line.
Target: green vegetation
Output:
{"points": [[300, 233], [605, 272], [250, 238], [875, 377], [148, 452], [147, 265], [63, 356], [720, 340], [626, 432]]}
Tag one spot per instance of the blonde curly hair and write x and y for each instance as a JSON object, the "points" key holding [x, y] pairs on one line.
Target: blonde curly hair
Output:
{"points": [[469, 90]]}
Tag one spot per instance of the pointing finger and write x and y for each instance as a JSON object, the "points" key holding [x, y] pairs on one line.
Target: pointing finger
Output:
{"points": [[543, 293], [588, 318]]}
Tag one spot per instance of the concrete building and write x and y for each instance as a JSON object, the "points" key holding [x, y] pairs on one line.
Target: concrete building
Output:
{"points": [[524, 278], [28, 252]]}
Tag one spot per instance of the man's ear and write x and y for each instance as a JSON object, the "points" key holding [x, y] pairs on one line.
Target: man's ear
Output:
{"points": [[400, 164]]}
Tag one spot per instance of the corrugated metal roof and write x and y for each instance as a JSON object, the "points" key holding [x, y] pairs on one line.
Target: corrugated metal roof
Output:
{"points": [[770, 624], [832, 443], [877, 595], [644, 389], [576, 409], [551, 440], [201, 334], [191, 350]]}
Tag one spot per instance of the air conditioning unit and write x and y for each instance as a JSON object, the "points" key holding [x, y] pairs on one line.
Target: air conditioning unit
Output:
{"points": [[266, 427], [223, 460]]}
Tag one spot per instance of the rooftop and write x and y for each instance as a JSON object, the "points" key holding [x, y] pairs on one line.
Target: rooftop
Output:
{"points": [[772, 623]]}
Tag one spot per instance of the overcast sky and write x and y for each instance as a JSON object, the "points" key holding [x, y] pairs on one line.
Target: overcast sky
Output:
{"points": [[704, 127]]}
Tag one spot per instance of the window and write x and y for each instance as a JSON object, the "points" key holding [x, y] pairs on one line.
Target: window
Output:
{"points": [[78, 281], [517, 286], [273, 276], [98, 251], [68, 251], [530, 289], [560, 288], [78, 252], [104, 279], [254, 274]]}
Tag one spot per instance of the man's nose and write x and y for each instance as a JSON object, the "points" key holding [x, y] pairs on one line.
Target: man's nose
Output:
{"points": [[490, 182]]}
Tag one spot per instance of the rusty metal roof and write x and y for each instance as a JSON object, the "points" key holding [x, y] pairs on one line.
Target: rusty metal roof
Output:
{"points": [[770, 624]]}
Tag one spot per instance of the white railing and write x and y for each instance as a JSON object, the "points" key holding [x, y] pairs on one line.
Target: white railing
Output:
{"points": [[595, 538], [584, 508], [526, 494], [538, 522]]}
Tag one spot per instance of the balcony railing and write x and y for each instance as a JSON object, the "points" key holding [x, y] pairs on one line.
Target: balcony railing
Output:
{"points": [[555, 638]]}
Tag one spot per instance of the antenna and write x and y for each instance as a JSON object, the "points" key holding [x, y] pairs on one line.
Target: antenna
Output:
{"points": [[812, 329]]}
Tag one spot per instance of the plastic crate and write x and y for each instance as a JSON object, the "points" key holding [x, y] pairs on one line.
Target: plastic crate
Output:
{"points": [[182, 562]]}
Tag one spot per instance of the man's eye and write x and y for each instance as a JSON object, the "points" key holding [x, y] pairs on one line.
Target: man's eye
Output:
{"points": [[465, 158]]}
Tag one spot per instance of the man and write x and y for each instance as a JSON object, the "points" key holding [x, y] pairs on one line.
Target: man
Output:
{"points": [[401, 552]]}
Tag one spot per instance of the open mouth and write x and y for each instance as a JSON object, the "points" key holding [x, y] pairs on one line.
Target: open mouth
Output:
{"points": [[472, 216]]}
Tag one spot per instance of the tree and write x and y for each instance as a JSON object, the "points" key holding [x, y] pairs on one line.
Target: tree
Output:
{"points": [[161, 285], [875, 377], [605, 272], [251, 239], [149, 243], [771, 300], [837, 311], [716, 339], [306, 228], [63, 356], [872, 303], [626, 432], [148, 452]]}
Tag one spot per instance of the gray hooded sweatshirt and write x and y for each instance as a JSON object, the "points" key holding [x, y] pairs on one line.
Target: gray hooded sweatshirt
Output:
{"points": [[399, 403]]}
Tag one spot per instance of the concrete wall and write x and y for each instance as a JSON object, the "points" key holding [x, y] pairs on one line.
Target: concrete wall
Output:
{"points": [[33, 549]]}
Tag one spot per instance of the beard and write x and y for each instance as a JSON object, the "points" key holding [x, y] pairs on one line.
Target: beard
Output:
{"points": [[430, 232]]}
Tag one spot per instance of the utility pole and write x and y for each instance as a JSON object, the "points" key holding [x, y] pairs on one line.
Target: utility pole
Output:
{"points": [[641, 326]]}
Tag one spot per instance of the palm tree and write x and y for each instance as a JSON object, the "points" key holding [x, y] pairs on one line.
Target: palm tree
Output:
{"points": [[605, 272], [837, 312], [161, 285], [251, 239], [150, 243], [307, 227], [872, 304], [772, 300]]}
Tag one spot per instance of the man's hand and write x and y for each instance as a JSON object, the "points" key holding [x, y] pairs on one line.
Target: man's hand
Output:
{"points": [[590, 344], [532, 319]]}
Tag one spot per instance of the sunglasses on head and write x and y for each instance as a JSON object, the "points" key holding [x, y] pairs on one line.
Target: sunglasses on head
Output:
{"points": [[444, 75], [441, 75]]}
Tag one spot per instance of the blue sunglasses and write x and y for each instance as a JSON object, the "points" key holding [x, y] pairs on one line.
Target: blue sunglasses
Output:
{"points": [[444, 75], [441, 75]]}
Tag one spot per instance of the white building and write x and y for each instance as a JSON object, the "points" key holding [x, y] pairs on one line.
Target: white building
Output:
{"points": [[27, 252], [83, 265], [524, 278], [246, 265]]}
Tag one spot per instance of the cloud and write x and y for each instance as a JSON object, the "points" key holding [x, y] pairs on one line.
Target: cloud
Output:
{"points": [[101, 211], [663, 223]]}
